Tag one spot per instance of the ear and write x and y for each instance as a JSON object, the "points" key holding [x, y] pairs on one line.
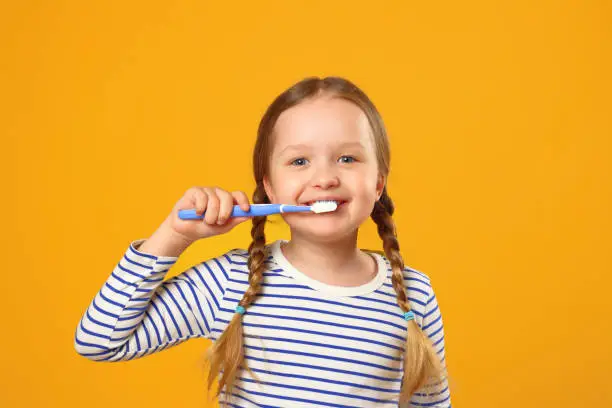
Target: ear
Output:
{"points": [[268, 189], [380, 185]]}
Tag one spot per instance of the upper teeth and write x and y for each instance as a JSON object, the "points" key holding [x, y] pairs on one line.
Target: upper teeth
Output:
{"points": [[322, 201]]}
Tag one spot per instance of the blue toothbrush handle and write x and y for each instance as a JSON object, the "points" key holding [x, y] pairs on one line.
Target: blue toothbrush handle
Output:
{"points": [[255, 210]]}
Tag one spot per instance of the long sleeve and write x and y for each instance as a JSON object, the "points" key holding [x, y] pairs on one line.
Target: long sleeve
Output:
{"points": [[137, 313], [434, 328]]}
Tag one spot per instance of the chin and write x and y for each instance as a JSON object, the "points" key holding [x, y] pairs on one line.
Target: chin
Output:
{"points": [[324, 230]]}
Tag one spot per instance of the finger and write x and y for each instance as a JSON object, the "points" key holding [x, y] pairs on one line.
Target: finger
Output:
{"points": [[241, 199], [212, 208], [226, 206], [201, 200]]}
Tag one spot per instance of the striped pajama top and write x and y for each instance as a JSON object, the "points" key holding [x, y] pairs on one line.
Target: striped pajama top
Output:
{"points": [[310, 344]]}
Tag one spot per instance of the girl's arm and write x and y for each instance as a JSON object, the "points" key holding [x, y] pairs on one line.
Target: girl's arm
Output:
{"points": [[434, 328], [136, 313]]}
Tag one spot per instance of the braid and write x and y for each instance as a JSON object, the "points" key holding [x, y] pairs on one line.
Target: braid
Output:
{"points": [[257, 251], [421, 362], [383, 210], [226, 356]]}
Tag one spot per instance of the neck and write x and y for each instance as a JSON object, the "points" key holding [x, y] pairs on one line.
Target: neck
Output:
{"points": [[338, 262]]}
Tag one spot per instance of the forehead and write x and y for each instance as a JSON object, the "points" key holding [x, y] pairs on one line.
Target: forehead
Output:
{"points": [[322, 122]]}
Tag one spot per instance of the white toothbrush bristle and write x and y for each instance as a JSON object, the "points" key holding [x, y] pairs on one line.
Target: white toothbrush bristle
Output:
{"points": [[324, 206]]}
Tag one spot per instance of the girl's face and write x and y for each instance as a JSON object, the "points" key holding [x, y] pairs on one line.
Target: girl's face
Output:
{"points": [[324, 150]]}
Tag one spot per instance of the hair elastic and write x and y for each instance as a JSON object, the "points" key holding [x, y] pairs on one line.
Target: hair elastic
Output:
{"points": [[240, 309], [409, 315]]}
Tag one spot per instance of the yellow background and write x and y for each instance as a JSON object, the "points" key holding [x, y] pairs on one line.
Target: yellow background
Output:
{"points": [[499, 117]]}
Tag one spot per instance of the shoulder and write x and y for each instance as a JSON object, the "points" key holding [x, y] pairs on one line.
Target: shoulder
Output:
{"points": [[412, 276], [224, 266], [417, 282], [234, 265], [418, 285]]}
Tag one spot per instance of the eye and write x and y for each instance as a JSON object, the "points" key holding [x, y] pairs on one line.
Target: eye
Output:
{"points": [[348, 157], [300, 159]]}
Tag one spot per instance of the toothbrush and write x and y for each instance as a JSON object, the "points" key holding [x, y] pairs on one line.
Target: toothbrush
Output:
{"points": [[266, 209]]}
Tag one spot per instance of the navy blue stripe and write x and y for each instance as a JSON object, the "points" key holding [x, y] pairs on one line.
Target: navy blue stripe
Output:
{"points": [[178, 329], [329, 346], [112, 302], [92, 333], [394, 296], [312, 367], [195, 297], [144, 327], [213, 275], [273, 285], [408, 270], [114, 275], [221, 267], [102, 310], [127, 328], [82, 343], [138, 346], [210, 308], [106, 351], [136, 263], [178, 287], [234, 395], [131, 317], [142, 309], [432, 322], [424, 282], [162, 320], [212, 295], [320, 391], [429, 404], [144, 290], [326, 380], [322, 356], [284, 397], [434, 333], [269, 273], [123, 268], [179, 308], [394, 303], [99, 323], [117, 291], [136, 252], [423, 394], [410, 288]]}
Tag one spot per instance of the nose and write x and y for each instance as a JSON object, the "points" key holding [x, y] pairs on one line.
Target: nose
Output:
{"points": [[325, 177]]}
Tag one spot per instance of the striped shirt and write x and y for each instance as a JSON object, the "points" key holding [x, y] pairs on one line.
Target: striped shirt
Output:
{"points": [[309, 344]]}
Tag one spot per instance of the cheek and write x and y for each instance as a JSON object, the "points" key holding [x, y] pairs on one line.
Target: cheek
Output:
{"points": [[365, 186], [288, 188]]}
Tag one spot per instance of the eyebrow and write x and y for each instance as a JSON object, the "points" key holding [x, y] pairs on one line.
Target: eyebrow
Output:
{"points": [[303, 146]]}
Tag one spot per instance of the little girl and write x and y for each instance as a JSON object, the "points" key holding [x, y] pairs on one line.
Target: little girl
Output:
{"points": [[310, 322]]}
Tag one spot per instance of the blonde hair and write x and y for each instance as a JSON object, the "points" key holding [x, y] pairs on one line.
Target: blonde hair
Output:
{"points": [[421, 363]]}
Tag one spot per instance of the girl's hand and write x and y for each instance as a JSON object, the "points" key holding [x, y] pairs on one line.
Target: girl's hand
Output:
{"points": [[218, 205]]}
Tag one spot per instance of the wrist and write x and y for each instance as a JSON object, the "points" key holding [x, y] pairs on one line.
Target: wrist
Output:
{"points": [[165, 242]]}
